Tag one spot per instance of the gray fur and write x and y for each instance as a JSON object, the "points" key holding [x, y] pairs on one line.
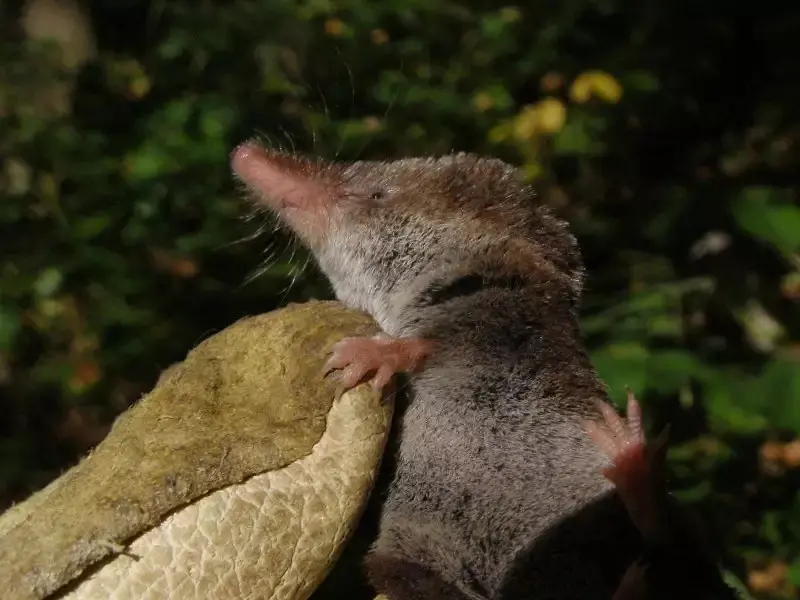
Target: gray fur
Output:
{"points": [[496, 483]]}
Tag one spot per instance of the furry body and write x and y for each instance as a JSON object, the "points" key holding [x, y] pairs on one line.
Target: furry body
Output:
{"points": [[497, 491]]}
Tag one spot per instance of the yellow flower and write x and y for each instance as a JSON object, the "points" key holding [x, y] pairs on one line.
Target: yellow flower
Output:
{"points": [[597, 84], [545, 117], [552, 115], [526, 123]]}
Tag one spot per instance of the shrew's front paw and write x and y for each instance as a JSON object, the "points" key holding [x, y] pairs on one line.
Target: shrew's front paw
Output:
{"points": [[380, 356]]}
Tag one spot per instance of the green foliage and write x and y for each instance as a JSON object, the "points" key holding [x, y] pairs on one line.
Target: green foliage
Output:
{"points": [[667, 135], [767, 214]]}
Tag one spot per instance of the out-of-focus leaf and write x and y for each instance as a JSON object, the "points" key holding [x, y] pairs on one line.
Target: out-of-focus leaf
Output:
{"points": [[642, 81], [794, 573], [762, 329], [90, 227], [622, 366], [669, 370], [493, 97], [790, 286], [734, 406], [10, 325], [766, 213], [779, 388], [581, 135], [737, 585], [148, 163], [48, 282]]}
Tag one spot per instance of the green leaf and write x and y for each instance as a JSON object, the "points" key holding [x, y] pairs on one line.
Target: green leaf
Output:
{"points": [[771, 527], [794, 573], [670, 370], [737, 585], [175, 45], [695, 493], [641, 81], [90, 227], [734, 404], [149, 162], [765, 214], [177, 113], [622, 365], [579, 136], [48, 282], [10, 326], [778, 391]]}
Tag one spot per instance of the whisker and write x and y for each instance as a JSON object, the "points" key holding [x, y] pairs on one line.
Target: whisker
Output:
{"points": [[352, 99], [384, 117], [288, 138]]}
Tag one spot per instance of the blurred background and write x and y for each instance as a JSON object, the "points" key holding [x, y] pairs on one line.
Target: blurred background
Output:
{"points": [[668, 133]]}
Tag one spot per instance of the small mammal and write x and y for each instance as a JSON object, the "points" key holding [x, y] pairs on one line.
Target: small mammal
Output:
{"points": [[498, 490]]}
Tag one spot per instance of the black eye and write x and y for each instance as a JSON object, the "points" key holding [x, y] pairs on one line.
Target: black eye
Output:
{"points": [[377, 195]]}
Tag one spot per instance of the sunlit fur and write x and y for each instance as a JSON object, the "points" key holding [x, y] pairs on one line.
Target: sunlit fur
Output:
{"points": [[493, 467]]}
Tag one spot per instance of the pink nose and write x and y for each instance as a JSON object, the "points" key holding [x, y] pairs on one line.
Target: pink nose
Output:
{"points": [[271, 177], [289, 185]]}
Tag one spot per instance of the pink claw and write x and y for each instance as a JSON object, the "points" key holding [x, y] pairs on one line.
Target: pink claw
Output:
{"points": [[637, 467], [623, 442], [381, 355]]}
